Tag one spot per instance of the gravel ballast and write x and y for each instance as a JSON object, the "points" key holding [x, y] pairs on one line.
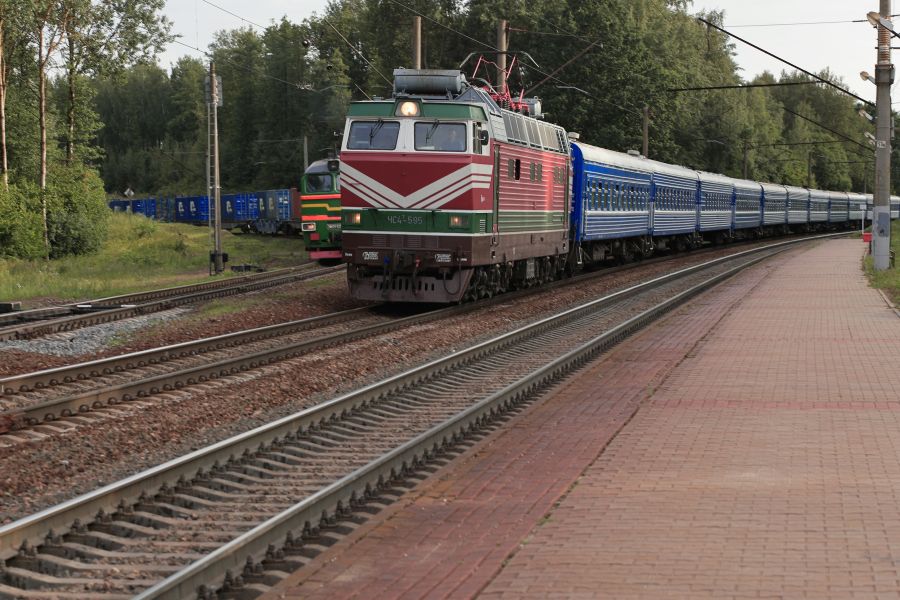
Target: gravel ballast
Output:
{"points": [[139, 435]]}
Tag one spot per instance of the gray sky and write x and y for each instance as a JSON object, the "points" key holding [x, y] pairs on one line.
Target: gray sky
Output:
{"points": [[846, 48]]}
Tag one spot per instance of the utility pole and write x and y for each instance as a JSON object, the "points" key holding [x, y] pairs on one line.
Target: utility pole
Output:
{"points": [[501, 55], [881, 213], [746, 156], [305, 152], [808, 169], [417, 42], [216, 261], [646, 147]]}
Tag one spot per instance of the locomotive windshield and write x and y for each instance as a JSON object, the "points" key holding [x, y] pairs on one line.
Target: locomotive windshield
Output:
{"points": [[373, 135], [318, 183], [441, 137]]}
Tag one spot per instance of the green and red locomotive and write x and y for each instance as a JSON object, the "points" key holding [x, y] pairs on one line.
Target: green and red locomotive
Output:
{"points": [[320, 210], [446, 196]]}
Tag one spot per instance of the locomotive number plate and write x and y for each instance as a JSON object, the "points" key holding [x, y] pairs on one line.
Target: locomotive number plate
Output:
{"points": [[410, 221]]}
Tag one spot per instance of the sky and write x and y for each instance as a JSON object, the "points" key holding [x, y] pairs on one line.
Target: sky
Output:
{"points": [[846, 48]]}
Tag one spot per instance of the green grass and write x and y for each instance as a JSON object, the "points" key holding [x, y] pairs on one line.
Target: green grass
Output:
{"points": [[889, 280], [139, 254]]}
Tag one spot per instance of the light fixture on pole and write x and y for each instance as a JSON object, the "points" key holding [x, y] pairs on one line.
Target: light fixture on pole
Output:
{"points": [[875, 19], [864, 75]]}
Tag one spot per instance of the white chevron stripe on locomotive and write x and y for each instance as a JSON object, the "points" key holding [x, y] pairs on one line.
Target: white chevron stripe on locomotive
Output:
{"points": [[433, 195]]}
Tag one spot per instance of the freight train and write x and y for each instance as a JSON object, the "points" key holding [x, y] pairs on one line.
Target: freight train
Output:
{"points": [[312, 211], [452, 192]]}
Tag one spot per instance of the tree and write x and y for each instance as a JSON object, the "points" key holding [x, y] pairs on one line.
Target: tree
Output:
{"points": [[48, 26], [103, 37]]}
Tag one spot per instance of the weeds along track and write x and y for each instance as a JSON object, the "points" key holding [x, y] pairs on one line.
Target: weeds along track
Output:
{"points": [[43, 321], [234, 517]]}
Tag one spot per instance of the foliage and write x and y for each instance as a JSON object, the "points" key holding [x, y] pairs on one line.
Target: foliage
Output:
{"points": [[130, 260], [887, 280], [51, 54], [20, 223], [595, 64], [77, 211]]}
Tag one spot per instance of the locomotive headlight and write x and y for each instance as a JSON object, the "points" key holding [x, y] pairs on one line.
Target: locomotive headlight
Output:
{"points": [[408, 109], [354, 218], [308, 226], [459, 221]]}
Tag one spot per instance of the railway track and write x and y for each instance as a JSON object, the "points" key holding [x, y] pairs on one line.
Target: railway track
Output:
{"points": [[35, 403], [233, 517], [43, 321]]}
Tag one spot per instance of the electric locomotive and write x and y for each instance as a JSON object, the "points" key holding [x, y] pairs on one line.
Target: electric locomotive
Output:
{"points": [[446, 196], [320, 210]]}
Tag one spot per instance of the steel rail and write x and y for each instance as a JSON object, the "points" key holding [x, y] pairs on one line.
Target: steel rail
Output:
{"points": [[82, 402], [132, 298], [60, 518], [27, 382], [346, 492], [132, 390], [189, 295]]}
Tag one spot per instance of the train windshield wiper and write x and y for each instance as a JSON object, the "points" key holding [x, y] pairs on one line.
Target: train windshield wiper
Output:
{"points": [[375, 130], [431, 131]]}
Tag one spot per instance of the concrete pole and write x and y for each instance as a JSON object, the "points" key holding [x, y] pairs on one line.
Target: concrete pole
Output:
{"points": [[501, 56], [808, 169], [881, 213], [215, 200], [305, 152], [746, 157], [646, 147], [417, 42]]}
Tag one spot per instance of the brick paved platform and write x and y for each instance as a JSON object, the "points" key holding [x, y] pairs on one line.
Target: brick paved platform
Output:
{"points": [[739, 448]]}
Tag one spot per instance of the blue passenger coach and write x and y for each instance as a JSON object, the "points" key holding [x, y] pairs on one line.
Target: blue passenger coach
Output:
{"points": [[837, 207], [675, 196], [774, 205], [747, 205], [798, 206], [857, 206], [716, 202], [818, 207], [611, 194]]}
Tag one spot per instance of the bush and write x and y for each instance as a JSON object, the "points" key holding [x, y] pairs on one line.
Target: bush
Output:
{"points": [[77, 214], [21, 234]]}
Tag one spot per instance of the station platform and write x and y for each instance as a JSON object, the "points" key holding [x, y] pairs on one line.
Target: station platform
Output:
{"points": [[748, 445]]}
